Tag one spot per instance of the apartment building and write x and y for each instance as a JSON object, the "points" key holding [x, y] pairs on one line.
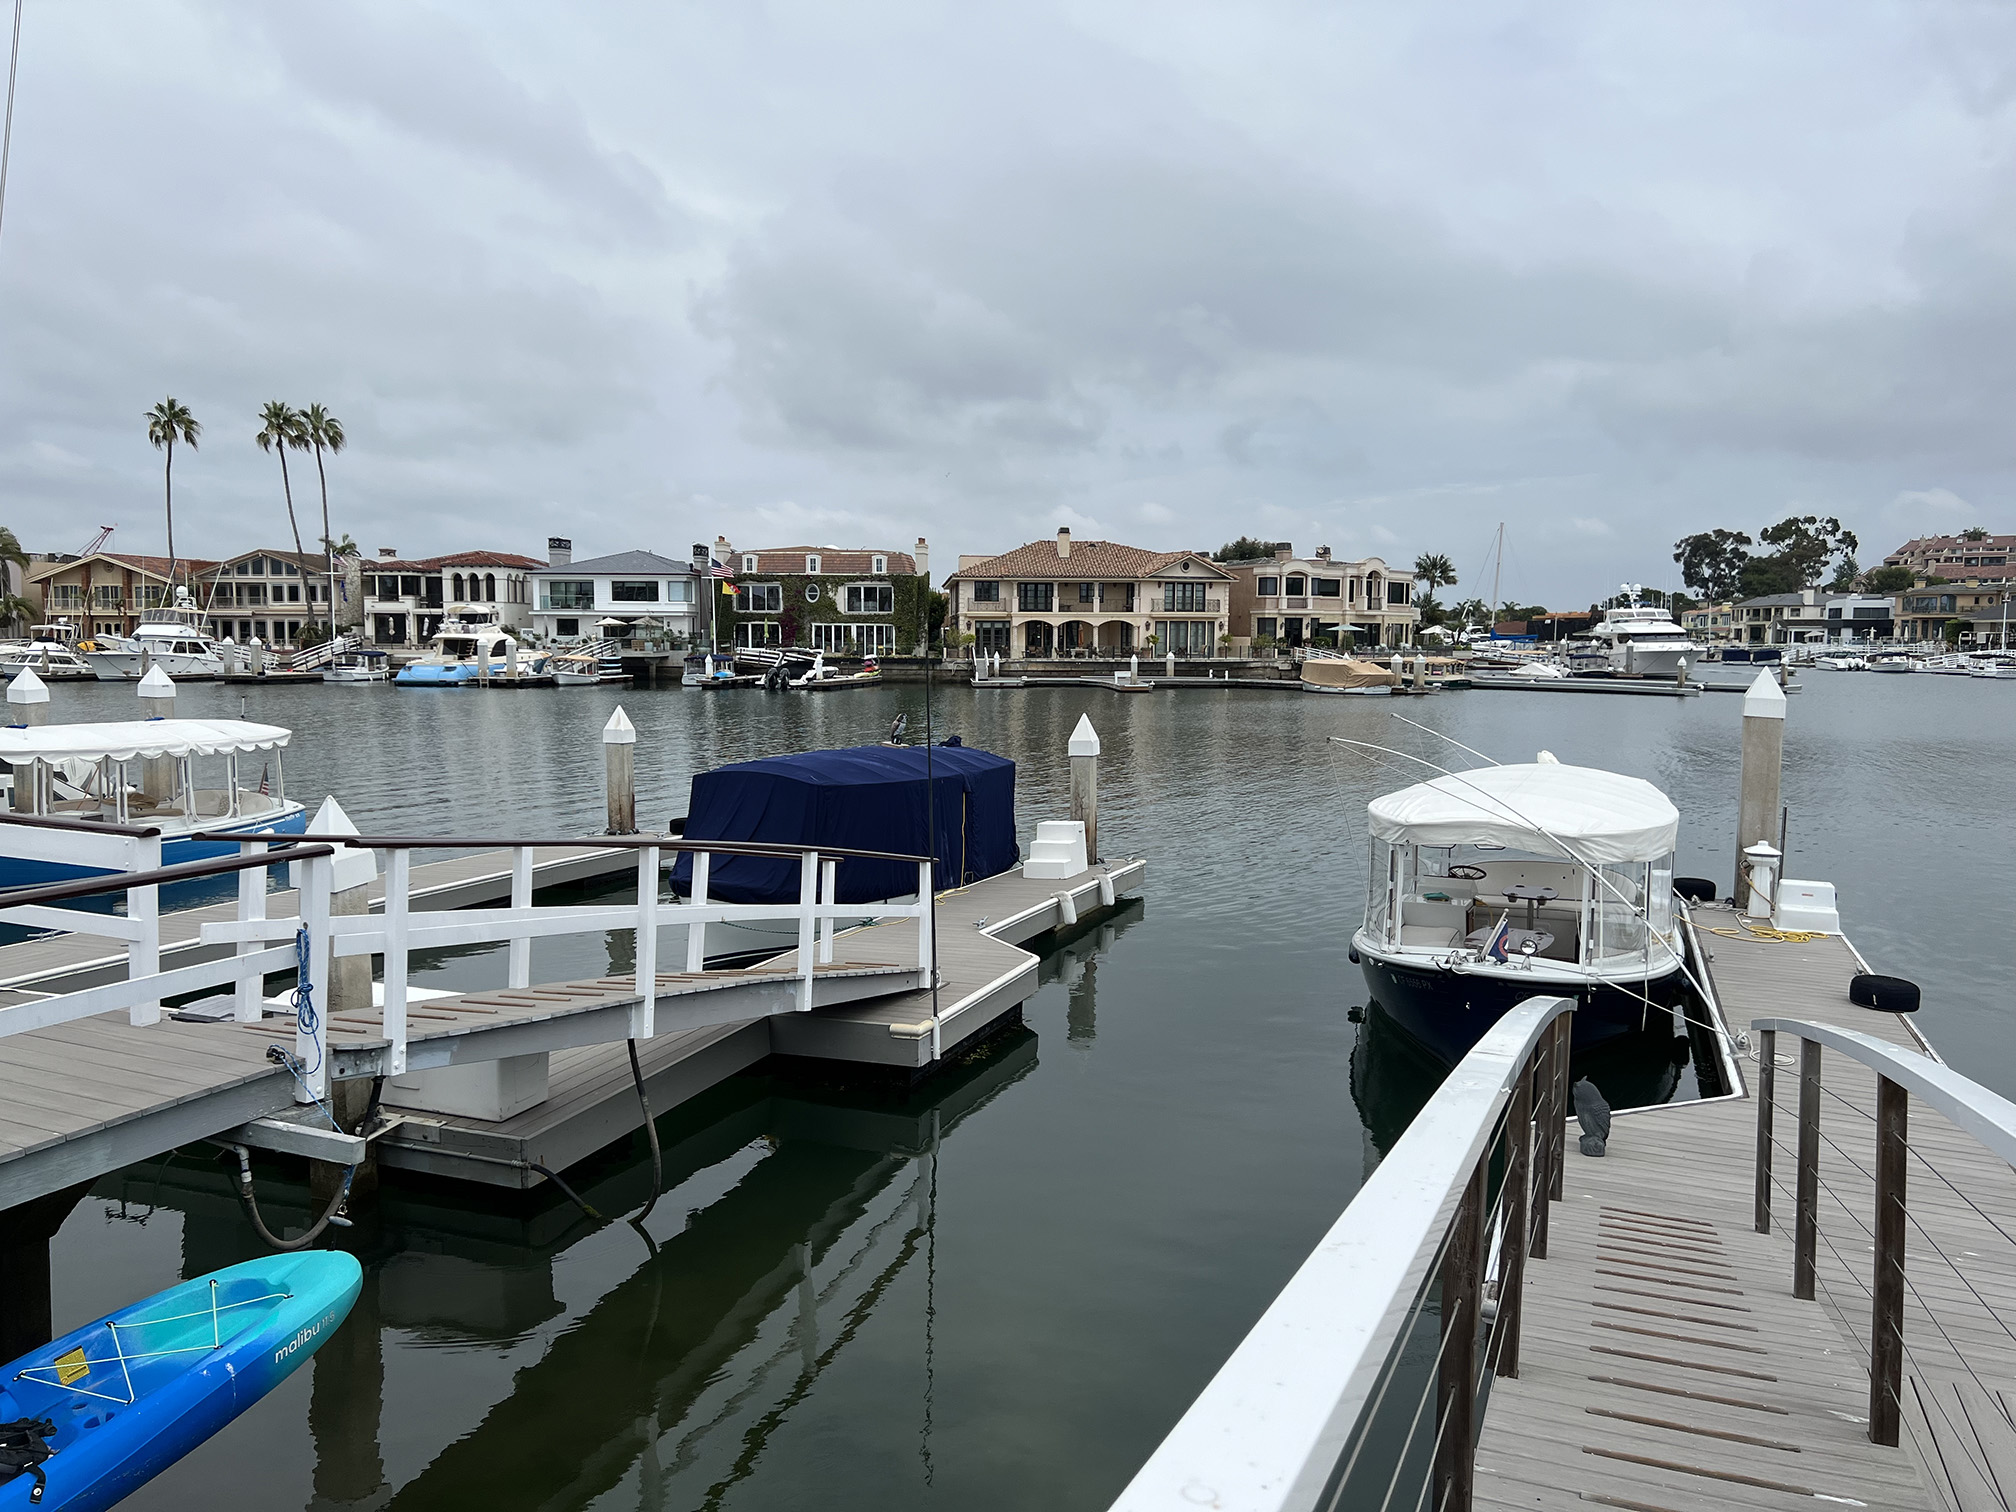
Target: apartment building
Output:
{"points": [[1322, 600], [1090, 598], [1986, 558]]}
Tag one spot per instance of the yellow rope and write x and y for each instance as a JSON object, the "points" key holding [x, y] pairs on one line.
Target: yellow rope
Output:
{"points": [[1769, 935]]}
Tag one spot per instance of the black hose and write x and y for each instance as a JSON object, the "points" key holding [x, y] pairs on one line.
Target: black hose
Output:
{"points": [[650, 1130], [559, 1181], [245, 1196]]}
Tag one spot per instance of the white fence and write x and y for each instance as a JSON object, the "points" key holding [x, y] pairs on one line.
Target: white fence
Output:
{"points": [[311, 939]]}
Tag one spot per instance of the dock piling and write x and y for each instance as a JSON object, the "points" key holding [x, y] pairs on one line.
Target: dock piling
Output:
{"points": [[157, 773], [1084, 752], [619, 743], [27, 708], [1763, 767]]}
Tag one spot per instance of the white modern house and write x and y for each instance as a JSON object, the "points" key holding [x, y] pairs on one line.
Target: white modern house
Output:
{"points": [[612, 596]]}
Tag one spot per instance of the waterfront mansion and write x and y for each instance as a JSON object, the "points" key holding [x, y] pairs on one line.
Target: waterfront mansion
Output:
{"points": [[1089, 598]]}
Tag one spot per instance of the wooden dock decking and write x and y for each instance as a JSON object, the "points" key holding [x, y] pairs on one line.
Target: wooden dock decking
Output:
{"points": [[84, 1098], [1666, 1365]]}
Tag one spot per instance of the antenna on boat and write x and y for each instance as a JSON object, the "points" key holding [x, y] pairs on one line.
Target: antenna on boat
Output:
{"points": [[1450, 738], [1497, 568]]}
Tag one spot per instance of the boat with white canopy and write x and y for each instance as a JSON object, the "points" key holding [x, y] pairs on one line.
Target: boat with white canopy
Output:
{"points": [[1494, 885], [150, 772]]}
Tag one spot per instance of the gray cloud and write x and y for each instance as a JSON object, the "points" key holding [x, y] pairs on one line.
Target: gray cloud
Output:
{"points": [[1173, 272]]}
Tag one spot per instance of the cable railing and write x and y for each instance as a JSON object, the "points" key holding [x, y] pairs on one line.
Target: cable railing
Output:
{"points": [[1326, 1403], [326, 868], [1950, 1391]]}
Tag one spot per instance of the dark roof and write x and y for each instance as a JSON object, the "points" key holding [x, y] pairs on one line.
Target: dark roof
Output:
{"points": [[453, 559], [1088, 559], [157, 565], [1766, 600], [836, 561], [644, 562]]}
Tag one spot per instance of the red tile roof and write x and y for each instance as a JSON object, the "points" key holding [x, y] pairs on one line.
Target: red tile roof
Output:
{"points": [[156, 566], [784, 561], [1088, 560], [453, 559]]}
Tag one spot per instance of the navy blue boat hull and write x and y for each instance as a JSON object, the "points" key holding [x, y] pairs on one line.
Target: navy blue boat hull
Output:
{"points": [[1447, 1012], [16, 872]]}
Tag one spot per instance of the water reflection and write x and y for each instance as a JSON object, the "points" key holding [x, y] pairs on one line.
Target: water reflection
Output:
{"points": [[675, 1377]]}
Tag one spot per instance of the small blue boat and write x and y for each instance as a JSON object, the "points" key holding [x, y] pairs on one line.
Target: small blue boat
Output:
{"points": [[121, 1399]]}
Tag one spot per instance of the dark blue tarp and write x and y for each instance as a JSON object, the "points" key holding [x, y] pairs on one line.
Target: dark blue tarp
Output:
{"points": [[865, 798]]}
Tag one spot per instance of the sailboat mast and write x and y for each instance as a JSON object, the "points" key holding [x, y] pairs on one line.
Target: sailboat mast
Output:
{"points": [[1498, 566]]}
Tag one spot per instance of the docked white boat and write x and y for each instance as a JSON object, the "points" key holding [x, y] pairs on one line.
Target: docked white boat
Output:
{"points": [[50, 650], [1893, 664], [146, 771], [471, 646], [359, 667], [820, 678], [171, 638], [1840, 664], [1493, 885], [586, 670], [1641, 640]]}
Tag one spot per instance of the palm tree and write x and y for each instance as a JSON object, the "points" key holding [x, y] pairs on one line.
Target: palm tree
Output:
{"points": [[169, 422], [1434, 569], [281, 428], [325, 433]]}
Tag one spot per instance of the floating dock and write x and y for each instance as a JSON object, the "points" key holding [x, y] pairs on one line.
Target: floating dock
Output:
{"points": [[1647, 689]]}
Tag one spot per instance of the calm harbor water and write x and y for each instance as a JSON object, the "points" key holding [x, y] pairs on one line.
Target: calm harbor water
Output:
{"points": [[999, 1291]]}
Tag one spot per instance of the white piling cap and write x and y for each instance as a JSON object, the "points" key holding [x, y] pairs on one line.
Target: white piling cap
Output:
{"points": [[157, 684], [27, 688], [1763, 850], [1084, 739], [348, 868], [619, 730], [1547, 758], [1765, 700]]}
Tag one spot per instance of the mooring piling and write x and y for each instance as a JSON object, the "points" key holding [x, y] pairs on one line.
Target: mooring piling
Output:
{"points": [[1763, 767], [157, 773], [1084, 751], [619, 744]]}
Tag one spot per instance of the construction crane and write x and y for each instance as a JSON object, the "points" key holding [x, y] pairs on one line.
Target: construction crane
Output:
{"points": [[97, 542]]}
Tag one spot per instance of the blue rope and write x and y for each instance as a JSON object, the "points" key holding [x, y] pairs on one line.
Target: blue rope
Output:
{"points": [[303, 995]]}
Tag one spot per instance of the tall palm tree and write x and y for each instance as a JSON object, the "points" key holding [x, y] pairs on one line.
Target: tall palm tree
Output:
{"points": [[325, 433], [12, 605], [169, 422], [281, 427], [1434, 569]]}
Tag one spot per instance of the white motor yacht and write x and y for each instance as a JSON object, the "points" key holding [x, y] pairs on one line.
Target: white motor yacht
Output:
{"points": [[472, 646], [1642, 639], [51, 650], [169, 637]]}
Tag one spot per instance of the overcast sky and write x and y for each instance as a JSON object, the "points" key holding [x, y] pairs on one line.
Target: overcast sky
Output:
{"points": [[1376, 277]]}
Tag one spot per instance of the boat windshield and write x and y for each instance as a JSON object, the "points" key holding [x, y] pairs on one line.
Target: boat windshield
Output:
{"points": [[1446, 897]]}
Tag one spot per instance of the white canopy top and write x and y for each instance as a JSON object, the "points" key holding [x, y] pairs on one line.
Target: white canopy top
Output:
{"points": [[139, 737], [1595, 816]]}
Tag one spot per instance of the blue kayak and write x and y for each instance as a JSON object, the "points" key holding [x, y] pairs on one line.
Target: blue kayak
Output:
{"points": [[133, 1392]]}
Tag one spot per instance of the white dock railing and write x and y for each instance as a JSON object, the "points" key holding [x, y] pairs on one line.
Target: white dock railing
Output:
{"points": [[1318, 1407], [311, 940]]}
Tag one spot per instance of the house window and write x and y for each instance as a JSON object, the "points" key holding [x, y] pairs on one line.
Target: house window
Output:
{"points": [[489, 587], [244, 568], [1267, 587], [1088, 593], [1329, 588], [567, 593], [1184, 598], [633, 591], [106, 596], [986, 592], [811, 593], [1264, 627], [567, 627], [456, 584], [1396, 592], [293, 592], [679, 591], [991, 636], [749, 561], [1184, 637], [812, 564], [1298, 586], [66, 596], [763, 598], [1035, 598], [870, 598], [409, 587], [878, 564], [854, 640]]}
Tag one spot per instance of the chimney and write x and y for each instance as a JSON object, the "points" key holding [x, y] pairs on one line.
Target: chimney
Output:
{"points": [[559, 551], [701, 560], [1809, 595], [389, 553], [1322, 553], [1063, 543], [922, 556], [1284, 551]]}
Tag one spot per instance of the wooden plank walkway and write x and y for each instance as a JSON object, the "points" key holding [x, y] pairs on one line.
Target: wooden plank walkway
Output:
{"points": [[1669, 1212]]}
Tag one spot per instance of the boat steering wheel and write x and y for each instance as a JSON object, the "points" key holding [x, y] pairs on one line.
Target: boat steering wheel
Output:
{"points": [[1468, 873]]}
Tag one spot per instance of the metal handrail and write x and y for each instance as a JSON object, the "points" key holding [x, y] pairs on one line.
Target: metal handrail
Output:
{"points": [[1988, 1116], [1270, 1431], [160, 876], [94, 826]]}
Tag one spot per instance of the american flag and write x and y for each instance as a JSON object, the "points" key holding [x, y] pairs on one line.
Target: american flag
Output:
{"points": [[721, 572], [265, 773]]}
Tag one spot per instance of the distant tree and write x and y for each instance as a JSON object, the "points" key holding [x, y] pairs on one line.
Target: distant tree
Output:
{"points": [[1470, 611], [1435, 570], [1887, 579], [1955, 628], [1805, 544], [169, 422], [1713, 562], [1432, 612], [324, 433], [281, 427], [13, 607], [936, 608], [1245, 549], [1974, 533], [1846, 575]]}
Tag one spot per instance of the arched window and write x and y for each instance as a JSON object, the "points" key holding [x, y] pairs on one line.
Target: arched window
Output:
{"points": [[489, 587], [458, 587]]}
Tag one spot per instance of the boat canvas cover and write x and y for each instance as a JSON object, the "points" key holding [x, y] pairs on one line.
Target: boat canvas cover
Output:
{"points": [[127, 739], [1590, 815], [1347, 672], [863, 798]]}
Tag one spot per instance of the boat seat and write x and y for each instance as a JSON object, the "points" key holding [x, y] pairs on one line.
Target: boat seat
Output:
{"points": [[1433, 936]]}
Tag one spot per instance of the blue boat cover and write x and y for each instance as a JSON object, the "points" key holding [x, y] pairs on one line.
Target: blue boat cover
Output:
{"points": [[864, 798]]}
